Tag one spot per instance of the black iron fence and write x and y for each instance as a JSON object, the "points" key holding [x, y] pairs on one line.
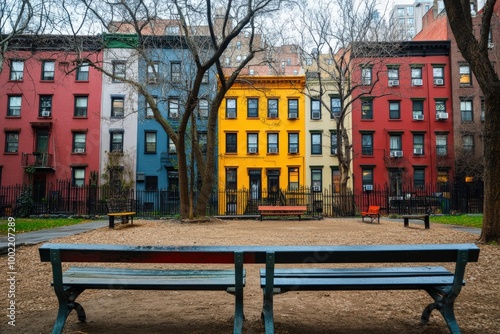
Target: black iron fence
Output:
{"points": [[63, 198]]}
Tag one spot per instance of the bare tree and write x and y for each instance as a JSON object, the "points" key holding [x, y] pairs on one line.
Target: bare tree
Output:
{"points": [[473, 46], [205, 30]]}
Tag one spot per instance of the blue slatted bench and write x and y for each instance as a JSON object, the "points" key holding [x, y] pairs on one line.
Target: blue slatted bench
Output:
{"points": [[440, 283], [68, 285]]}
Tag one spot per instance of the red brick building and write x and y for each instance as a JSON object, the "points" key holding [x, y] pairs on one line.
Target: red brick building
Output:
{"points": [[51, 101], [402, 116]]}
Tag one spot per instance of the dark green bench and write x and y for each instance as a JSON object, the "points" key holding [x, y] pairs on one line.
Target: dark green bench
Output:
{"points": [[440, 283], [68, 285]]}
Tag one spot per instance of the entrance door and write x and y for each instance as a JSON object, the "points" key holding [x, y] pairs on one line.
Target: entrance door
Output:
{"points": [[273, 186], [396, 180], [255, 184]]}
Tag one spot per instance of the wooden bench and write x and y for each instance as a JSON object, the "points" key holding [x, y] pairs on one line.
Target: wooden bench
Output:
{"points": [[282, 210], [424, 217], [118, 207], [68, 285], [372, 213], [440, 283]]}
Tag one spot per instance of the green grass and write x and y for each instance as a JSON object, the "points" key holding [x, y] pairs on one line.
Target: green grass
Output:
{"points": [[463, 220], [35, 224]]}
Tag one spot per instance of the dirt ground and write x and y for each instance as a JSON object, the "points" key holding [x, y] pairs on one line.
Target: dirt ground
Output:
{"points": [[389, 312]]}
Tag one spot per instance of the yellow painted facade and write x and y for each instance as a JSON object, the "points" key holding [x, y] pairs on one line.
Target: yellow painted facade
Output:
{"points": [[261, 139]]}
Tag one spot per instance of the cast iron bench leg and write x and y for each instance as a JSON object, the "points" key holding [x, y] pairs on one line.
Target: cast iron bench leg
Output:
{"points": [[267, 309], [111, 221]]}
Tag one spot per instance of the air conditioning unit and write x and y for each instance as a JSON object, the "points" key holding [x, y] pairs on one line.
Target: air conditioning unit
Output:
{"points": [[252, 150], [294, 150], [273, 115], [396, 154], [45, 113], [366, 82], [393, 83], [417, 82], [418, 117], [316, 115], [231, 114], [79, 150], [273, 150], [418, 151], [439, 82], [152, 80], [368, 187], [334, 151], [316, 188], [292, 115], [442, 115], [491, 45]]}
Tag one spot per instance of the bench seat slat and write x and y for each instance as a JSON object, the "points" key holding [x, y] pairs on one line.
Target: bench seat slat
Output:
{"points": [[365, 272], [361, 283]]}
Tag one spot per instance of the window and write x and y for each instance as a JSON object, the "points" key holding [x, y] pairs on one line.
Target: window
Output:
{"points": [[203, 108], [48, 67], [82, 72], [153, 72], [366, 75], [14, 108], [231, 143], [418, 109], [16, 70], [316, 147], [438, 75], [272, 108], [401, 11], [230, 108], [151, 183], [272, 143], [81, 106], [411, 21], [172, 30], [367, 178], [416, 76], [442, 145], [466, 110], [483, 109], [293, 108], [409, 10], [316, 179], [315, 109], [79, 142], [440, 108], [252, 143], [173, 108], [333, 142], [45, 106], [393, 76], [238, 45], [468, 142], [367, 109], [116, 144], [11, 141], [394, 110], [149, 110], [171, 147], [117, 106], [418, 144], [231, 178], [293, 143], [419, 177], [119, 70], [150, 142], [78, 176], [335, 179], [336, 106], [293, 178], [465, 75], [202, 141], [395, 143], [253, 107], [205, 78], [367, 143], [175, 72]]}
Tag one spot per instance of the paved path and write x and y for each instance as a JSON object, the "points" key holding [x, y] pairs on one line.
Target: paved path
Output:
{"points": [[31, 238]]}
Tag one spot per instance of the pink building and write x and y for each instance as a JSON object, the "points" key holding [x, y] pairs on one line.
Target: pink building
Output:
{"points": [[51, 101]]}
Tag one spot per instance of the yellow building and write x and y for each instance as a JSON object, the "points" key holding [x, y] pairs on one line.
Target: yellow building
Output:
{"points": [[261, 142]]}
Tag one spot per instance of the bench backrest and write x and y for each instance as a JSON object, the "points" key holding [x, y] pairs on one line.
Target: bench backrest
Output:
{"points": [[119, 205], [282, 207], [373, 209]]}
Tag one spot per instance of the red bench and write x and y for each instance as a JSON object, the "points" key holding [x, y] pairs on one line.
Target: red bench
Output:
{"points": [[372, 213], [282, 210]]}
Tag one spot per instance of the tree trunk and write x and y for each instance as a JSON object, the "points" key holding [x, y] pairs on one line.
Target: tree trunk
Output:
{"points": [[183, 176], [491, 139]]}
